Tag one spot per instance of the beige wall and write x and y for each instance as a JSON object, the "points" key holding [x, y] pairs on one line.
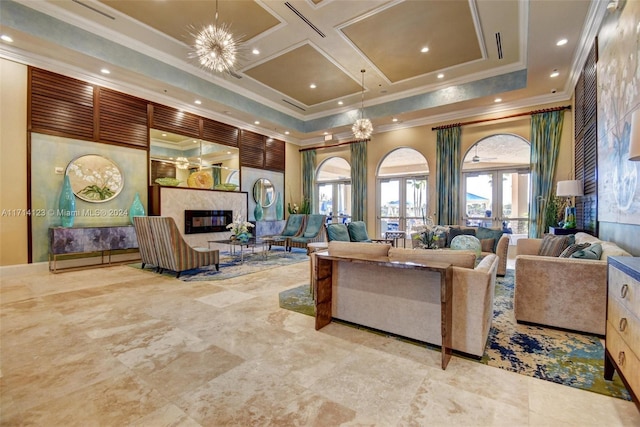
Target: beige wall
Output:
{"points": [[13, 163], [292, 173]]}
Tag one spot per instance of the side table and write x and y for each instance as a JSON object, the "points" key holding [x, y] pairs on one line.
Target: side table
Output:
{"points": [[557, 231], [396, 236]]}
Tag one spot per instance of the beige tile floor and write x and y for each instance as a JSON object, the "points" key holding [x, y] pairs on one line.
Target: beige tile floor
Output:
{"points": [[119, 346]]}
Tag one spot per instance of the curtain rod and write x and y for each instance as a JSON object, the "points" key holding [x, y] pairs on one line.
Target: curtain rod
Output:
{"points": [[320, 147], [528, 113]]}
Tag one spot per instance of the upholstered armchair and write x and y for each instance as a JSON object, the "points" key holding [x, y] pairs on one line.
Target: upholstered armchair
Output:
{"points": [[173, 253], [146, 244], [314, 231], [293, 227]]}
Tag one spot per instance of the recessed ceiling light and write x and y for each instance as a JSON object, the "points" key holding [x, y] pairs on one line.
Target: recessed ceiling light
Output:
{"points": [[256, 122], [164, 134], [340, 103], [424, 49], [228, 152], [195, 141], [197, 101], [554, 74], [255, 52], [105, 71], [326, 133], [497, 100], [6, 38], [312, 86], [395, 119], [286, 132], [561, 42], [440, 76]]}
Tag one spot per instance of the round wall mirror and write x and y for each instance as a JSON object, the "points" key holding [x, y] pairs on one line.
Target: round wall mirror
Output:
{"points": [[264, 192], [95, 178]]}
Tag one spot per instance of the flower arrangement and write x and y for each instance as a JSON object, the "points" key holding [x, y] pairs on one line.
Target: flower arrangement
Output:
{"points": [[240, 229], [304, 208], [428, 235]]}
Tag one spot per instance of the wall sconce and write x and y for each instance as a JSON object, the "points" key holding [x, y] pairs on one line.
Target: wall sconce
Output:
{"points": [[569, 189], [634, 140]]}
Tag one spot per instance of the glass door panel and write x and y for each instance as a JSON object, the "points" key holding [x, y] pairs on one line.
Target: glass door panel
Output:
{"points": [[415, 206], [325, 195], [479, 197], [389, 208], [515, 202], [335, 201]]}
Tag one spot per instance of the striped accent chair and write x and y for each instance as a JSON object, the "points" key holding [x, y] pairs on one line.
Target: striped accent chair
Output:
{"points": [[146, 244], [173, 253], [314, 231]]}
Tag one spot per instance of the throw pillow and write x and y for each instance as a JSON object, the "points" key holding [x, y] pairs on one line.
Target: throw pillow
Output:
{"points": [[338, 232], [358, 231], [457, 231], [571, 249], [489, 233], [487, 244], [594, 251], [553, 245]]}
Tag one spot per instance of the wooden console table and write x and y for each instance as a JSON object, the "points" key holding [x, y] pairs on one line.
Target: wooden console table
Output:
{"points": [[88, 240], [323, 292]]}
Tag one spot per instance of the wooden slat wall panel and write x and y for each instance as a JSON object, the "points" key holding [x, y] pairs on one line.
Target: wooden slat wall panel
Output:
{"points": [[586, 152], [220, 133], [274, 155], [122, 119], [252, 149], [60, 105], [175, 121]]}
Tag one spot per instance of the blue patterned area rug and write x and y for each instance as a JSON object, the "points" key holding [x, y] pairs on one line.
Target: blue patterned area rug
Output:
{"points": [[571, 359], [231, 265]]}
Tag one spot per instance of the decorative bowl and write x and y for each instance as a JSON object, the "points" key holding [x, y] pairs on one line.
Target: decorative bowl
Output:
{"points": [[168, 182]]}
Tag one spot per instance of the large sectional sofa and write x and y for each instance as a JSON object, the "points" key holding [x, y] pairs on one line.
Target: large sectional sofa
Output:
{"points": [[404, 302], [566, 293]]}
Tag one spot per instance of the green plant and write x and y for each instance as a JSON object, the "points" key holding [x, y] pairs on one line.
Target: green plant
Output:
{"points": [[554, 211]]}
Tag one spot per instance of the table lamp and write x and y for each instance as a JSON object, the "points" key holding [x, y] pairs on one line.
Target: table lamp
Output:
{"points": [[569, 189]]}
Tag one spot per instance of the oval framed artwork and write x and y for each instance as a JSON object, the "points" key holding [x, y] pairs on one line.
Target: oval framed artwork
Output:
{"points": [[95, 178]]}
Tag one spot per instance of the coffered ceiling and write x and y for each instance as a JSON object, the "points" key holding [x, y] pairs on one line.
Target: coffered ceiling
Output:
{"points": [[425, 61]]}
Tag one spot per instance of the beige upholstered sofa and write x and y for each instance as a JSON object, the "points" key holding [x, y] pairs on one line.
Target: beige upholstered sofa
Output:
{"points": [[567, 293], [400, 301]]}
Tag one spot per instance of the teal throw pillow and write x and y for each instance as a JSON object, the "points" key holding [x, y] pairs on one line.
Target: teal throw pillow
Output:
{"points": [[338, 232], [358, 231], [592, 252], [489, 233], [467, 243]]}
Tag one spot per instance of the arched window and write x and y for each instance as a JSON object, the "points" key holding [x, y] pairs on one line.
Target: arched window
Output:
{"points": [[495, 183], [402, 191], [333, 189]]}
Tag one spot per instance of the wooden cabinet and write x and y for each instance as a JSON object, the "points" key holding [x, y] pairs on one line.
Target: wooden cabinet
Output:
{"points": [[623, 323]]}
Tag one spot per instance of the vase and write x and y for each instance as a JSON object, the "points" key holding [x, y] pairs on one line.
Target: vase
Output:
{"points": [[258, 212], [67, 203], [279, 207], [136, 208], [243, 237]]}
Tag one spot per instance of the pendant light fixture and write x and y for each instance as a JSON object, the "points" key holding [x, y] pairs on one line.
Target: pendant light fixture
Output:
{"points": [[362, 128], [215, 47]]}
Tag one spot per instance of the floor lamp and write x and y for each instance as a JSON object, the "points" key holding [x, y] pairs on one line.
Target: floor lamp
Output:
{"points": [[569, 189]]}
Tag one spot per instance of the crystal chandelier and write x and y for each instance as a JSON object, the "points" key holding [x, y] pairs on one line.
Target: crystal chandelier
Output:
{"points": [[362, 128], [215, 47], [182, 163]]}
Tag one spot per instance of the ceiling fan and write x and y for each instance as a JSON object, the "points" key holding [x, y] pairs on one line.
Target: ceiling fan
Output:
{"points": [[478, 159]]}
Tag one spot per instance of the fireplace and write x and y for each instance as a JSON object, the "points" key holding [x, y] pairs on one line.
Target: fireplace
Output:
{"points": [[206, 221]]}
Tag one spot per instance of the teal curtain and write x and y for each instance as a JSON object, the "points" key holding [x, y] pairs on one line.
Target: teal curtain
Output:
{"points": [[546, 130], [448, 175], [308, 177], [358, 180]]}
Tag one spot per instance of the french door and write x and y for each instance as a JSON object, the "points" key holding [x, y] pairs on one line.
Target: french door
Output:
{"points": [[402, 203], [335, 201], [498, 198]]}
